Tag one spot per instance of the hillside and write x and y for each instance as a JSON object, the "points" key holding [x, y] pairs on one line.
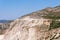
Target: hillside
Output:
{"points": [[4, 25], [40, 25], [5, 21]]}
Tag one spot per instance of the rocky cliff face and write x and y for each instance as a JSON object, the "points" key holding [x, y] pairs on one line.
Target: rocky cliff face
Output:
{"points": [[40, 25]]}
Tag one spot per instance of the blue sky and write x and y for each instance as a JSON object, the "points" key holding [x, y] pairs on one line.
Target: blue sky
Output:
{"points": [[12, 9]]}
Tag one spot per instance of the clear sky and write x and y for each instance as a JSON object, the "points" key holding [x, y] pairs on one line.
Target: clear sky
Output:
{"points": [[12, 9]]}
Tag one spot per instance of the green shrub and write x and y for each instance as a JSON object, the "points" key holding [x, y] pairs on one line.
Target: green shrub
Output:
{"points": [[54, 24]]}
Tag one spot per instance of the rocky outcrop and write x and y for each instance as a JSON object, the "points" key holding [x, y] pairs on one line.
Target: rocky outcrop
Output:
{"points": [[40, 25], [4, 25]]}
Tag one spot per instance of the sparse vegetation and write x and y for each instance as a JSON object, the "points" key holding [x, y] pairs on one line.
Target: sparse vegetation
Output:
{"points": [[54, 16], [54, 24]]}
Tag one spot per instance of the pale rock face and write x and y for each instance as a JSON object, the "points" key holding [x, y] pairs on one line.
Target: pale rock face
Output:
{"points": [[27, 29], [33, 27], [1, 37]]}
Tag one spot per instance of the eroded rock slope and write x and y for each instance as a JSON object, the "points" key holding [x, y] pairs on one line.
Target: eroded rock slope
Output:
{"points": [[40, 25]]}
